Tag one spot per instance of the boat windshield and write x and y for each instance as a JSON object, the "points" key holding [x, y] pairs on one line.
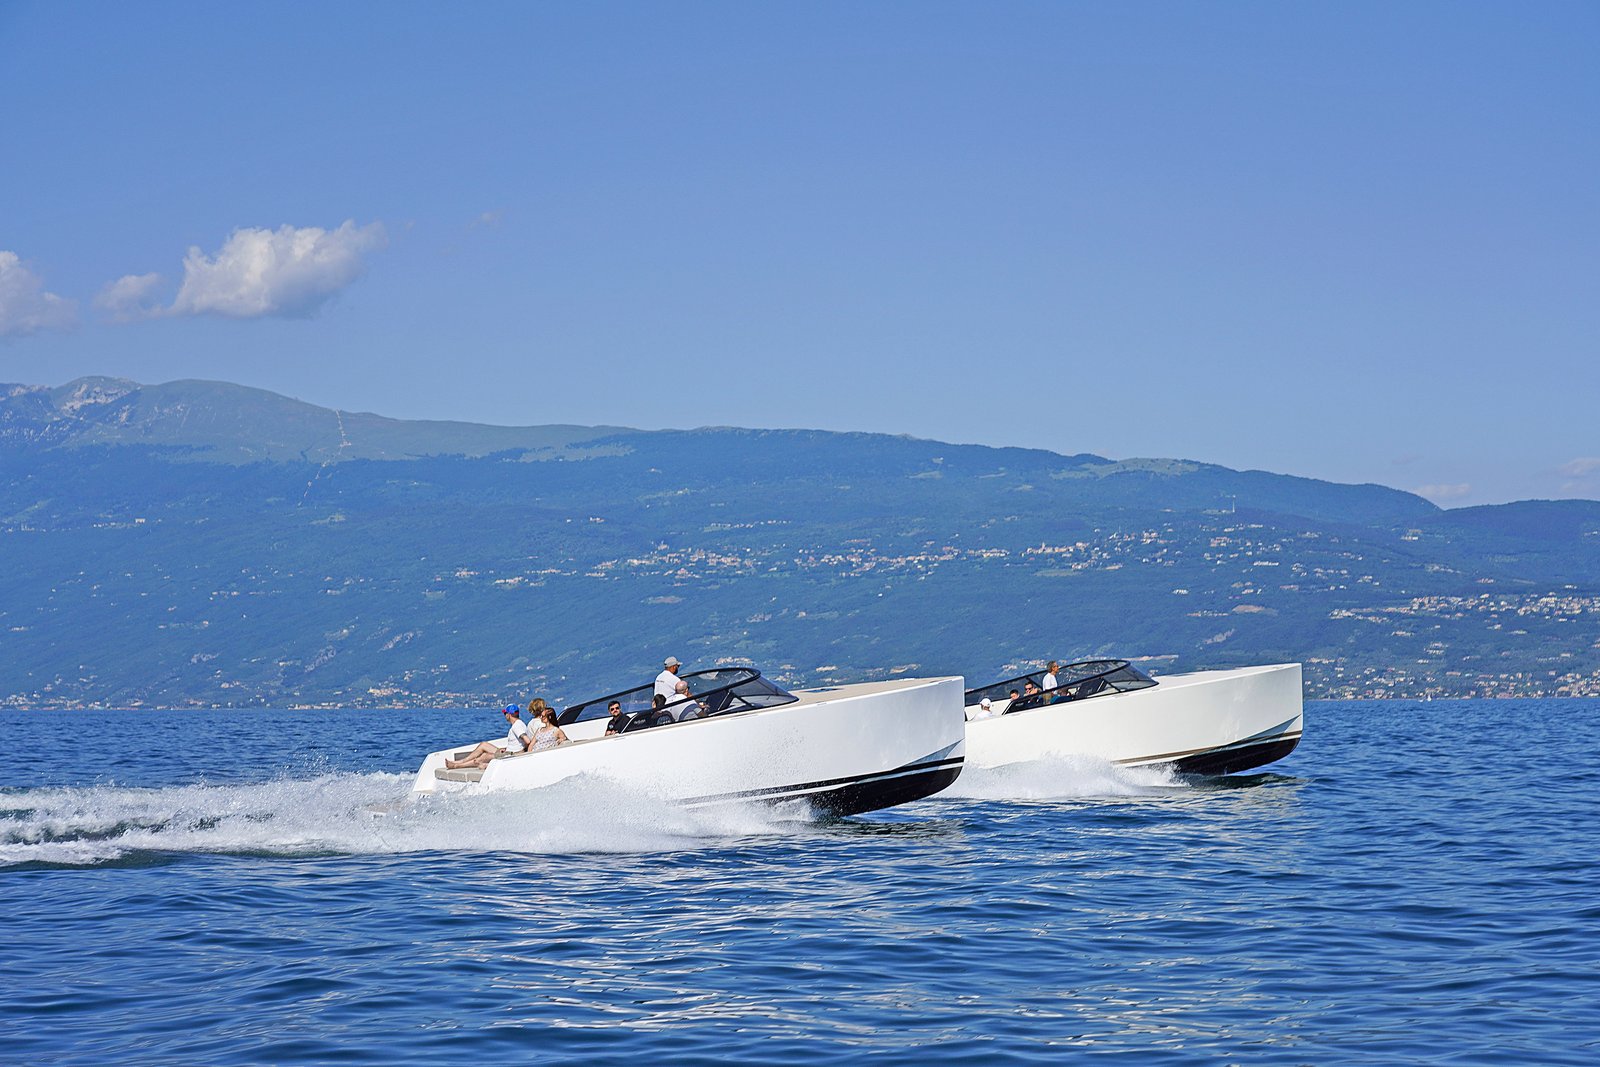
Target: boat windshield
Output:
{"points": [[1075, 681], [722, 691]]}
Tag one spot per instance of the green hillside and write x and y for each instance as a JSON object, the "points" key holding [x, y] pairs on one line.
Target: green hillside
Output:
{"points": [[207, 544]]}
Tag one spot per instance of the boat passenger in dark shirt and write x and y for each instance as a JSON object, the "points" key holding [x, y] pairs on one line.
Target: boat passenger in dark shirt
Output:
{"points": [[656, 716], [618, 721]]}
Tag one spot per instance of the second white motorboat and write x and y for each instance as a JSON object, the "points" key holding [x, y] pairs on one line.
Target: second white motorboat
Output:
{"points": [[1207, 722], [842, 749]]}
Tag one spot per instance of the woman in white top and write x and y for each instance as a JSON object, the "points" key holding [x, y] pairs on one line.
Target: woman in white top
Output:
{"points": [[548, 734]]}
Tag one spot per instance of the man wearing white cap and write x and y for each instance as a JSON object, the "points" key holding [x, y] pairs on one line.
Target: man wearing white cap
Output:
{"points": [[667, 680]]}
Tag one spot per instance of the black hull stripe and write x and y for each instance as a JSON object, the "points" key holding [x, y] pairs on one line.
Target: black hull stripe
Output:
{"points": [[883, 793], [1239, 758], [804, 789], [1249, 742]]}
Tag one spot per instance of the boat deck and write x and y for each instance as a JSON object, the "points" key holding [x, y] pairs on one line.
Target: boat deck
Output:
{"points": [[1178, 681], [825, 693]]}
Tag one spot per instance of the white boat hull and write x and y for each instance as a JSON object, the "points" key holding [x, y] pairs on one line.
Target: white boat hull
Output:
{"points": [[1208, 722], [844, 750]]}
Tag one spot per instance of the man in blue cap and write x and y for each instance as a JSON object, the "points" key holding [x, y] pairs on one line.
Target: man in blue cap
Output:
{"points": [[517, 740]]}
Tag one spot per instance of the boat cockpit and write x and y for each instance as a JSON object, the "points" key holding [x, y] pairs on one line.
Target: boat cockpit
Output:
{"points": [[722, 691], [1074, 681]]}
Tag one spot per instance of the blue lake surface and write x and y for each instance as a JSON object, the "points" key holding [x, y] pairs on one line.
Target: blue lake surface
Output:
{"points": [[1416, 884]]}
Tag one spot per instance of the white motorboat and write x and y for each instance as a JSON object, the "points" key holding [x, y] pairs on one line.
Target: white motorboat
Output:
{"points": [[1207, 722], [738, 737]]}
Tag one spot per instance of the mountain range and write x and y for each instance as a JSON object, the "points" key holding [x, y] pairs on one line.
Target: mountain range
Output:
{"points": [[203, 544]]}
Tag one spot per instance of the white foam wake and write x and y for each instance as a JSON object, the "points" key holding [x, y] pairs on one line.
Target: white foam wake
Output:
{"points": [[334, 814], [1061, 777]]}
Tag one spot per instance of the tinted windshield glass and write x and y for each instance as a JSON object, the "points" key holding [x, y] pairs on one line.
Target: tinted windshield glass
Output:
{"points": [[1075, 681], [713, 692]]}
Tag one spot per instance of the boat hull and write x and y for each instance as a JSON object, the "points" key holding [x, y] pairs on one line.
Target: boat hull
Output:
{"points": [[843, 750], [1208, 722]]}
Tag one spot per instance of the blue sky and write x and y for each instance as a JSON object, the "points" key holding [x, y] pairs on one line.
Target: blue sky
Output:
{"points": [[1355, 241]]}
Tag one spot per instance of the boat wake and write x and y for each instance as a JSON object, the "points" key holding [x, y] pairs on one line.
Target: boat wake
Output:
{"points": [[1063, 778], [358, 814]]}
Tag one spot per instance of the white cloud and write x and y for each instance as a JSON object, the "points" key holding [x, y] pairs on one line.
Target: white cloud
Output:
{"points": [[25, 306], [130, 297], [289, 272], [1582, 476], [1440, 493]]}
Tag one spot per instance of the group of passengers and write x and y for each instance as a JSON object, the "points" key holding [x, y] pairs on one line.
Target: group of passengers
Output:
{"points": [[519, 738], [989, 709], [669, 689]]}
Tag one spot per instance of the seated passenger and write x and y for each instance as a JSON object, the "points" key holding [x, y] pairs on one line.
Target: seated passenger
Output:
{"points": [[548, 735], [658, 714], [985, 710], [692, 710], [517, 740], [618, 722]]}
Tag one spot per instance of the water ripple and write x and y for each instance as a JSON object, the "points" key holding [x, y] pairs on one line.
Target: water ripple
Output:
{"points": [[1378, 897]]}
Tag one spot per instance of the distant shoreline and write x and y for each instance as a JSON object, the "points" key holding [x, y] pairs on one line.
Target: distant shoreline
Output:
{"points": [[45, 709]]}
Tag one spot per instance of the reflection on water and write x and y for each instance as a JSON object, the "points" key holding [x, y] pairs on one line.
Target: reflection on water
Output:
{"points": [[903, 826], [1240, 781], [1060, 777]]}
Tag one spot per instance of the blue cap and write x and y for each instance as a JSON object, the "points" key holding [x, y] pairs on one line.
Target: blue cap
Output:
{"points": [[512, 709]]}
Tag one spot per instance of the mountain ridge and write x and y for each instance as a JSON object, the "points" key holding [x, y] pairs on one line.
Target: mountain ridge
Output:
{"points": [[200, 544], [231, 423], [124, 412]]}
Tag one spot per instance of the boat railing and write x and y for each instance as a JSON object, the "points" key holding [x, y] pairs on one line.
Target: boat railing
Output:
{"points": [[1075, 681], [721, 691]]}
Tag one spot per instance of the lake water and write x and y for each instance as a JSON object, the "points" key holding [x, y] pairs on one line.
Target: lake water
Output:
{"points": [[1415, 885]]}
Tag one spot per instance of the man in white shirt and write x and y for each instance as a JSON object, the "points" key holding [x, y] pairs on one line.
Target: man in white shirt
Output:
{"points": [[985, 710], [517, 740], [517, 737], [667, 680], [692, 710], [1050, 675]]}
